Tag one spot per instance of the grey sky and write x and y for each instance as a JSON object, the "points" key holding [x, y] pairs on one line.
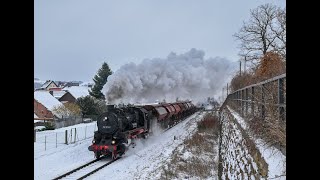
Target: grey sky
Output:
{"points": [[74, 37]]}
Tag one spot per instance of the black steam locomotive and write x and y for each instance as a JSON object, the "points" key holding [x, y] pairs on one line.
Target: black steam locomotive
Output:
{"points": [[118, 126]]}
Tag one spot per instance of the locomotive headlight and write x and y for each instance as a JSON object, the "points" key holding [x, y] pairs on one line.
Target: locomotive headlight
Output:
{"points": [[113, 142], [93, 141]]}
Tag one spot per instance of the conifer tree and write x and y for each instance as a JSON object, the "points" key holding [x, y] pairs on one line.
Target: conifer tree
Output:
{"points": [[100, 79]]}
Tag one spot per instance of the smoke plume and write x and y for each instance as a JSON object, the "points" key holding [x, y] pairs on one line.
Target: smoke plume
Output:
{"points": [[185, 76]]}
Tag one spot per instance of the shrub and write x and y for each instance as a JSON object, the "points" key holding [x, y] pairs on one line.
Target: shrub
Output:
{"points": [[208, 122], [49, 126]]}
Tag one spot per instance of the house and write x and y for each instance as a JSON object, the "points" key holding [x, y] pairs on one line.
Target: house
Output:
{"points": [[67, 97], [48, 84], [44, 103], [77, 91]]}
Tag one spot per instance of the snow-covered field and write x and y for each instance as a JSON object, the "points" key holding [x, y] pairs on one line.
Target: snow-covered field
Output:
{"points": [[50, 141], [142, 162]]}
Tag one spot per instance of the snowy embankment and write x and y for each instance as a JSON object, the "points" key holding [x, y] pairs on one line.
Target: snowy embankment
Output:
{"points": [[197, 157], [142, 162], [274, 158], [238, 158]]}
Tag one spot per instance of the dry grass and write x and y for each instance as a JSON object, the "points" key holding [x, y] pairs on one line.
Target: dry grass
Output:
{"points": [[210, 124], [274, 134], [200, 145]]}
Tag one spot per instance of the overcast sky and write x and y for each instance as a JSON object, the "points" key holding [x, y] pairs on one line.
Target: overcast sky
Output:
{"points": [[73, 37]]}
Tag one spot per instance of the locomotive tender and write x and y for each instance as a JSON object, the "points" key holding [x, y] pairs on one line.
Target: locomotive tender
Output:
{"points": [[118, 126]]}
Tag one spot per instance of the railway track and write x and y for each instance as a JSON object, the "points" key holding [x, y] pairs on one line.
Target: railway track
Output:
{"points": [[86, 169], [92, 167]]}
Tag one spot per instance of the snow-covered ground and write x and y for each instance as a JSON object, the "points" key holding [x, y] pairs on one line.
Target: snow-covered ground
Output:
{"points": [[275, 159], [52, 141], [142, 162]]}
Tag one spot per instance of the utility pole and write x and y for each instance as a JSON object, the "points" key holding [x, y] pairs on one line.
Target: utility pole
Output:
{"points": [[245, 61], [227, 89], [240, 67], [222, 95]]}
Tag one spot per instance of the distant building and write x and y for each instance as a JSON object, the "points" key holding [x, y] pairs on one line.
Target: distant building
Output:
{"points": [[87, 84], [47, 85], [70, 84]]}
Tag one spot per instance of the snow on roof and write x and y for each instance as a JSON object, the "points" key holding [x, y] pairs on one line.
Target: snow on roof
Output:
{"points": [[46, 99], [34, 115], [46, 84], [58, 94], [78, 91]]}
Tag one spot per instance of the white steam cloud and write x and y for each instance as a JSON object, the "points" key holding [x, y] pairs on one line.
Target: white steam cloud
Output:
{"points": [[185, 76]]}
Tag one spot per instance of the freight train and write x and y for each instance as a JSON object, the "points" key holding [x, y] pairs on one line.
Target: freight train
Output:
{"points": [[118, 126]]}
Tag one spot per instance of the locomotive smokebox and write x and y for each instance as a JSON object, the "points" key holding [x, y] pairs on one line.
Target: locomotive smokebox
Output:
{"points": [[110, 107]]}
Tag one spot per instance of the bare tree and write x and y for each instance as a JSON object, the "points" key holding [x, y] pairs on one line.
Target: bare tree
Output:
{"points": [[279, 30], [265, 31], [67, 109]]}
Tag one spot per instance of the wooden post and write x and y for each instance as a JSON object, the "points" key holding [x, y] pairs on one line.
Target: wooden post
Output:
{"points": [[66, 137], [75, 134], [34, 135]]}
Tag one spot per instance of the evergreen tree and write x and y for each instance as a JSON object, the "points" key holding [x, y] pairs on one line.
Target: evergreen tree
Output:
{"points": [[86, 105], [91, 106], [100, 79]]}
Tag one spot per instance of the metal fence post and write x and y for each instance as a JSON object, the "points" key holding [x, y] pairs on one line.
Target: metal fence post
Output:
{"points": [[252, 101], [262, 99], [281, 98], [246, 102], [242, 103], [66, 137]]}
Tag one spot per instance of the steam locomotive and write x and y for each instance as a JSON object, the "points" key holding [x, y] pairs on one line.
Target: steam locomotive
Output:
{"points": [[118, 126]]}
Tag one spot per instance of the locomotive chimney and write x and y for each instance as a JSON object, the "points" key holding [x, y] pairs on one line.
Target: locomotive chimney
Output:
{"points": [[110, 107]]}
